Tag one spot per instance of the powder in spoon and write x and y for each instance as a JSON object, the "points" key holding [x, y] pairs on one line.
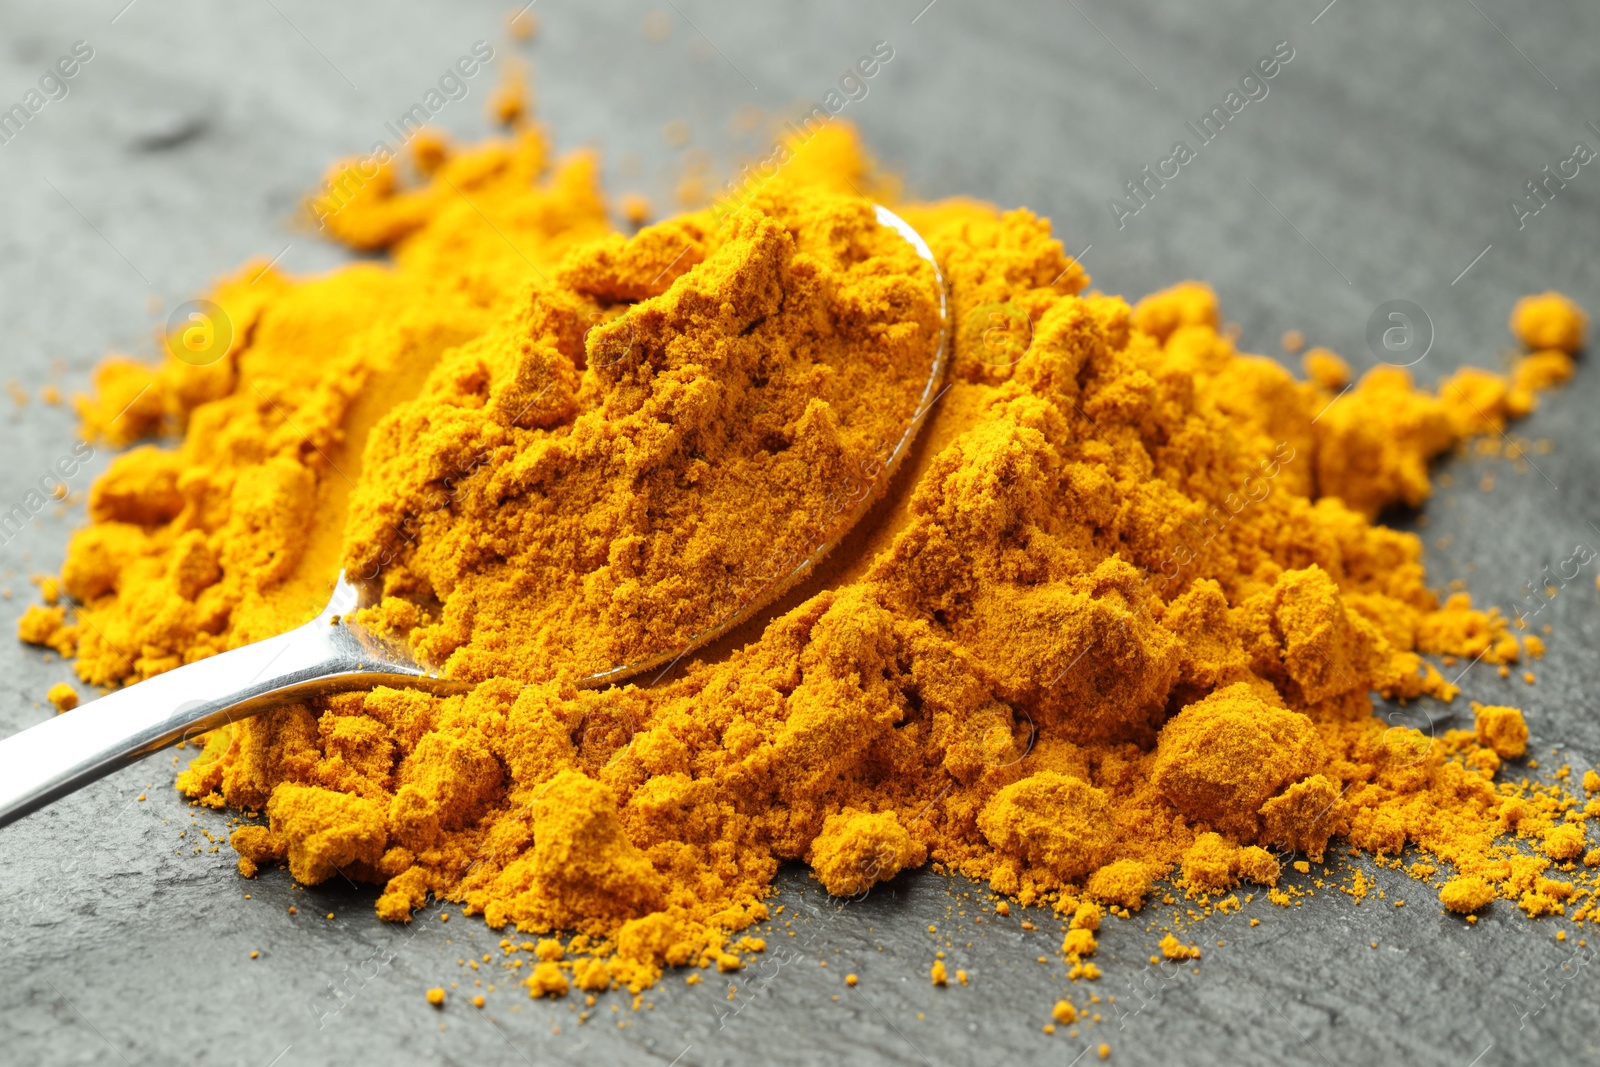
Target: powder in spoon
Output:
{"points": [[576, 499], [1120, 620]]}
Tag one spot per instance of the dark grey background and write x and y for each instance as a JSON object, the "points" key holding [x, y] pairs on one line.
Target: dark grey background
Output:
{"points": [[1383, 161]]}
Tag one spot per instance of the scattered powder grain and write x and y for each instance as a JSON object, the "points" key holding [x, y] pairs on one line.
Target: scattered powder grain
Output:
{"points": [[636, 209], [63, 696]]}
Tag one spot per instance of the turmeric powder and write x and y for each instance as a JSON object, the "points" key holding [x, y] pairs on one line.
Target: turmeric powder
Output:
{"points": [[63, 696], [722, 429], [1119, 620]]}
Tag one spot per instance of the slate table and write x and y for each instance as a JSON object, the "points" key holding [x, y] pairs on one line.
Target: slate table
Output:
{"points": [[1380, 165]]}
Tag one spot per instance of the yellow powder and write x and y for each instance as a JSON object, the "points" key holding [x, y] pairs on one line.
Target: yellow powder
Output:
{"points": [[1173, 949], [429, 149], [1325, 367], [1565, 841], [636, 209], [63, 696], [1078, 943], [1501, 729], [1214, 863], [510, 102], [547, 979], [724, 426], [1118, 619], [1544, 369], [1220, 759], [1549, 320], [1466, 894], [855, 849], [1053, 820]]}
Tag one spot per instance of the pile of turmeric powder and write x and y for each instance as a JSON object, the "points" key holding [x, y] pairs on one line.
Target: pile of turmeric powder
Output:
{"points": [[1119, 620], [577, 500]]}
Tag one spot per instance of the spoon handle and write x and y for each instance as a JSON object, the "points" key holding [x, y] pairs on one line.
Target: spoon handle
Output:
{"points": [[55, 757]]}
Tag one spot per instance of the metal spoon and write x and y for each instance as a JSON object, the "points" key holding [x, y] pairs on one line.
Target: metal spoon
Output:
{"points": [[330, 654]]}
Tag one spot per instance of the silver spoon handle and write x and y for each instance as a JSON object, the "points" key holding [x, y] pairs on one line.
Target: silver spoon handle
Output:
{"points": [[55, 757]]}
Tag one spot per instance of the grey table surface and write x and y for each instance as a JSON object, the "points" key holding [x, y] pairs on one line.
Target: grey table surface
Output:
{"points": [[1380, 166]]}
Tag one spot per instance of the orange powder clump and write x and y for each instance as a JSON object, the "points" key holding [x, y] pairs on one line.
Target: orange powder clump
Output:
{"points": [[325, 831], [510, 101], [123, 408], [1544, 369], [1467, 894], [1325, 367], [1214, 863], [47, 626], [1565, 841], [1549, 320], [1058, 822], [1173, 949], [1221, 759], [429, 149], [1078, 943], [854, 850], [1501, 729], [1119, 618], [1375, 444]]}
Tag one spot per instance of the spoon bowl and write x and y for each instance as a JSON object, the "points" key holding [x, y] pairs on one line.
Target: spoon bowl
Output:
{"points": [[866, 489]]}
